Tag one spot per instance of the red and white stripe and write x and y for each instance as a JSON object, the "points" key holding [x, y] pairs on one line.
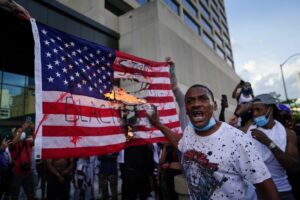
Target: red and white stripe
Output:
{"points": [[69, 125], [158, 93]]}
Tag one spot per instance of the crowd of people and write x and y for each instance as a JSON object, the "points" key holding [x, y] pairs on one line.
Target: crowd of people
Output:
{"points": [[255, 155]]}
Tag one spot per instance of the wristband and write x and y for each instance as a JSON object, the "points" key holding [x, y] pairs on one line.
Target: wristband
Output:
{"points": [[272, 145]]}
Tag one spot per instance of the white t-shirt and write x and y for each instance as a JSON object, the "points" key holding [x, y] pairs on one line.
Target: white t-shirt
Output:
{"points": [[221, 165], [278, 135]]}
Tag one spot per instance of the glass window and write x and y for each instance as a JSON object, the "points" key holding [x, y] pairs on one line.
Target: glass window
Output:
{"points": [[228, 50], [191, 23], [12, 101], [221, 4], [206, 25], [14, 79], [191, 8], [229, 62], [214, 13], [204, 2], [216, 26], [29, 101], [223, 16], [226, 39], [220, 52], [1, 77], [173, 5], [215, 4], [204, 11], [207, 39], [142, 2], [30, 82], [219, 39], [225, 29]]}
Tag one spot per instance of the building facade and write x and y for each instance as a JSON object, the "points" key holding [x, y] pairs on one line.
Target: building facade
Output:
{"points": [[194, 33]]}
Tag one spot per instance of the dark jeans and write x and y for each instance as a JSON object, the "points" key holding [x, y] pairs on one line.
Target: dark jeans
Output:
{"points": [[112, 180], [25, 181], [135, 183], [5, 184], [166, 182], [57, 190]]}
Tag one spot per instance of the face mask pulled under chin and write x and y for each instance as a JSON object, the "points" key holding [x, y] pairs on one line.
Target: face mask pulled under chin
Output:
{"points": [[262, 120]]}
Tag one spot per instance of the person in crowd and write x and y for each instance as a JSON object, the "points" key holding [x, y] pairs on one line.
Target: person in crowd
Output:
{"points": [[179, 96], [218, 160], [108, 175], [59, 178], [224, 105], [84, 176], [5, 163], [169, 168], [296, 128], [15, 8], [21, 153], [243, 92], [41, 169], [242, 117], [284, 115], [136, 171], [294, 178], [157, 149], [276, 144]]}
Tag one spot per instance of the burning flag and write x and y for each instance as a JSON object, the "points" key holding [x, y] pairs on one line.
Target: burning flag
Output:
{"points": [[73, 117]]}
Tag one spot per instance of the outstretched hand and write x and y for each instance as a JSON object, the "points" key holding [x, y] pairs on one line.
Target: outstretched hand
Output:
{"points": [[154, 117]]}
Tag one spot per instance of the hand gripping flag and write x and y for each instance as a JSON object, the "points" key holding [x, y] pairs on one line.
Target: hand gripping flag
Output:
{"points": [[73, 118]]}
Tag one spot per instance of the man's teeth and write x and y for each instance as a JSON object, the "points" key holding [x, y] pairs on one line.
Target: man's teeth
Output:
{"points": [[198, 116]]}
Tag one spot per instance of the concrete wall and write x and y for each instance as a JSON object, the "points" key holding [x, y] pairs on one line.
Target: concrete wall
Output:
{"points": [[95, 10], [154, 32]]}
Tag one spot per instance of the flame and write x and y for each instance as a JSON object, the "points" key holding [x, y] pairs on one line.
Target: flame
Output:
{"points": [[120, 94]]}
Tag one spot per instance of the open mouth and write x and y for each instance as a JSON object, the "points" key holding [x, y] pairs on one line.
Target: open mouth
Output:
{"points": [[198, 116]]}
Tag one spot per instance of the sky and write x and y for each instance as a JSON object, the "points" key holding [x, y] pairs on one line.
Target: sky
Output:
{"points": [[264, 33]]}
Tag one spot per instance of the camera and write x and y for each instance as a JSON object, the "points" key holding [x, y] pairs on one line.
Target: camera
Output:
{"points": [[25, 166], [242, 82], [28, 131], [224, 98]]}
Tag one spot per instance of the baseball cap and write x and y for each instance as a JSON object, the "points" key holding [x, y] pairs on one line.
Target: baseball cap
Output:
{"points": [[265, 99]]}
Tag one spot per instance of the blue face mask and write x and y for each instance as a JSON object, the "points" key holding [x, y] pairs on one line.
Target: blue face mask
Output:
{"points": [[208, 126], [261, 120]]}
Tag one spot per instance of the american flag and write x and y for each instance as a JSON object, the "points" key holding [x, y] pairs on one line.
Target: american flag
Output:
{"points": [[73, 118]]}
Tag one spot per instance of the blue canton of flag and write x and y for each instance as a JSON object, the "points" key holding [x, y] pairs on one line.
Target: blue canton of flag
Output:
{"points": [[74, 65]]}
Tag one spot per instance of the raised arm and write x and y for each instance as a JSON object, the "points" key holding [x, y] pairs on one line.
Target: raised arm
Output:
{"points": [[179, 96], [235, 92]]}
